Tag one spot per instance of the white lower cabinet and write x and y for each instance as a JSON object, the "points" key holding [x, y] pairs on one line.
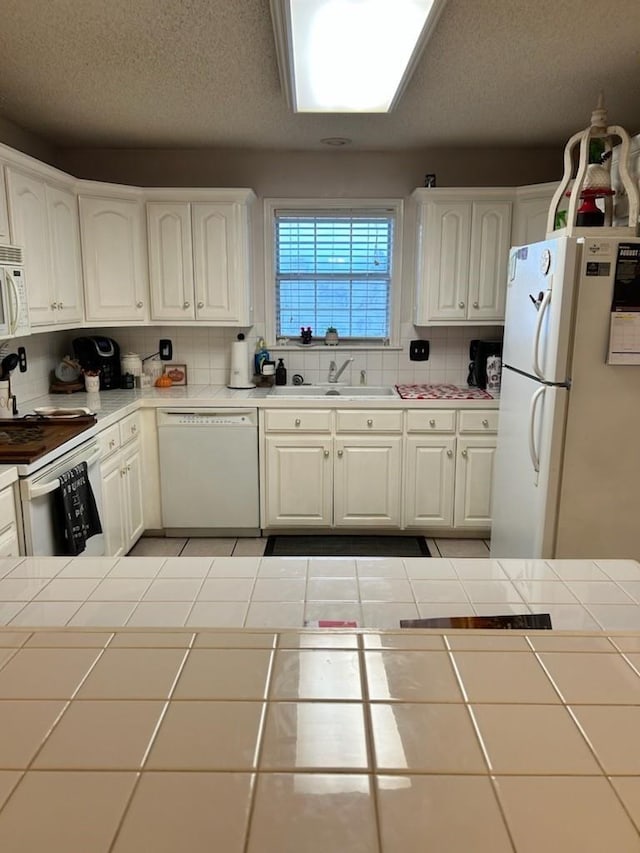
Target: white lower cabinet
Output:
{"points": [[474, 476], [299, 481], [121, 472], [366, 489], [429, 479], [474, 468], [321, 477], [417, 469], [9, 541]]}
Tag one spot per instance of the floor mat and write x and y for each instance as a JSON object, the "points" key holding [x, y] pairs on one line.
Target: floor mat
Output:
{"points": [[346, 546]]}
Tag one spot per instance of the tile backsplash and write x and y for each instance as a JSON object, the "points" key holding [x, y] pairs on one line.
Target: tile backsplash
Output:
{"points": [[206, 352]]}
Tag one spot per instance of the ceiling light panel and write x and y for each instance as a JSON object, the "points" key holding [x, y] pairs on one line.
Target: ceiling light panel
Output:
{"points": [[349, 56]]}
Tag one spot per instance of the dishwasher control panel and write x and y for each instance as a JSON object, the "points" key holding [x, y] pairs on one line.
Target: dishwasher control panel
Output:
{"points": [[167, 417]]}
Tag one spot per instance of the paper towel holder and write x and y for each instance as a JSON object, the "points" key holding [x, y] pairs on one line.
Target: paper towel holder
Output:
{"points": [[239, 372]]}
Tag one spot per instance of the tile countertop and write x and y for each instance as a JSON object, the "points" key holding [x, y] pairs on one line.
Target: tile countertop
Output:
{"points": [[288, 741]]}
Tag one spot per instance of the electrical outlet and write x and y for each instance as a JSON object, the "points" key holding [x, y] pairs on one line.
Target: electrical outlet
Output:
{"points": [[419, 351], [166, 349], [22, 359]]}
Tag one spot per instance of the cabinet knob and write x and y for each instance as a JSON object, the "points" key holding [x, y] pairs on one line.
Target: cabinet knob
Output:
{"points": [[128, 467], [476, 304], [369, 422], [485, 422], [134, 428], [60, 305], [139, 304], [297, 422], [326, 453], [123, 471], [340, 452], [186, 305], [463, 453], [460, 304], [432, 422], [449, 452], [54, 305], [200, 304], [112, 443]]}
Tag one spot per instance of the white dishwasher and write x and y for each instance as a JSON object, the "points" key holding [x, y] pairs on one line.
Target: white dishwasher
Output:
{"points": [[209, 471]]}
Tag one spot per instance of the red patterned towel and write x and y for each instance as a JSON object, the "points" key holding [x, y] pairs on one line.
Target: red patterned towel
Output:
{"points": [[441, 392]]}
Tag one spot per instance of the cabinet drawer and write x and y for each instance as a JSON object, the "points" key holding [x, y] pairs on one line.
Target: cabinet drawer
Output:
{"points": [[7, 509], [485, 421], [129, 428], [368, 420], [432, 420], [109, 440], [297, 420]]}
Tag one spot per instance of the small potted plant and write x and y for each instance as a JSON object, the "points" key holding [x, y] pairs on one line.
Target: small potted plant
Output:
{"points": [[331, 337]]}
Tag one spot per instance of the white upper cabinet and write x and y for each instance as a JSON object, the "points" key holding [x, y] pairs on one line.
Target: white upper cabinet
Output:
{"points": [[170, 260], [531, 213], [114, 259], [199, 259], [44, 221], [462, 249], [66, 262]]}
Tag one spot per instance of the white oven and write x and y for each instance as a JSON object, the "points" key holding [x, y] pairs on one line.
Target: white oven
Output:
{"points": [[39, 518]]}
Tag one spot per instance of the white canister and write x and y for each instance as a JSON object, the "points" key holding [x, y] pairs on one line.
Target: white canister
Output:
{"points": [[494, 373], [131, 363]]}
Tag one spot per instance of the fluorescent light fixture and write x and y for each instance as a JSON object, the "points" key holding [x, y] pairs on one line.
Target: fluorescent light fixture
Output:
{"points": [[349, 56]]}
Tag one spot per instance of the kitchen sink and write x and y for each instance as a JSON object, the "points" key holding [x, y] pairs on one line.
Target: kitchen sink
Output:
{"points": [[333, 391]]}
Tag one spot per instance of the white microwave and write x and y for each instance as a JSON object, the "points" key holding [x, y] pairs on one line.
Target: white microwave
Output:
{"points": [[14, 310]]}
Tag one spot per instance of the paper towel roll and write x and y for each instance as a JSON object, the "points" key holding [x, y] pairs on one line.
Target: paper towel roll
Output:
{"points": [[239, 374]]}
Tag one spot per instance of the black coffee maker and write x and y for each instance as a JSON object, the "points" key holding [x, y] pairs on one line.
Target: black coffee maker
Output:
{"points": [[100, 353], [479, 352]]}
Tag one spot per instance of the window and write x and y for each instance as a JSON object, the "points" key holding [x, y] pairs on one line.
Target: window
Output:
{"points": [[334, 267]]}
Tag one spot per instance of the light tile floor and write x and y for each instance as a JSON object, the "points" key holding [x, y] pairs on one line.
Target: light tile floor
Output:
{"points": [[281, 592], [150, 546]]}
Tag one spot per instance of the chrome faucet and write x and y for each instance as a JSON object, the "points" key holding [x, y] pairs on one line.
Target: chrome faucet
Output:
{"points": [[334, 372]]}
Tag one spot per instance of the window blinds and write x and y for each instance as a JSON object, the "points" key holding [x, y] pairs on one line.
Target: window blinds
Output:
{"points": [[333, 268]]}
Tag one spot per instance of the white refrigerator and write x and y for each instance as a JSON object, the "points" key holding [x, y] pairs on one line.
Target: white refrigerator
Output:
{"points": [[567, 464]]}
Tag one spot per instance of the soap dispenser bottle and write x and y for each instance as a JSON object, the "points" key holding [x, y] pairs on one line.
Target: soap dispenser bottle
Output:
{"points": [[281, 373]]}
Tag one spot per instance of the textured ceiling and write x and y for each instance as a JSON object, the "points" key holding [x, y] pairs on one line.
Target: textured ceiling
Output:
{"points": [[202, 73]]}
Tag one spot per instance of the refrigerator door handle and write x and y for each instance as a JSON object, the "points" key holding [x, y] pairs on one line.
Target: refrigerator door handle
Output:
{"points": [[546, 299], [533, 450]]}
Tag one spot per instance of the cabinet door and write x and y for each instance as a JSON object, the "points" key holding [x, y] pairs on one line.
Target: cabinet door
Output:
{"points": [[474, 479], [445, 260], [132, 465], [30, 229], [113, 507], [5, 236], [9, 544], [530, 221], [114, 259], [170, 261], [429, 473], [220, 272], [299, 482], [66, 265], [490, 243], [367, 481]]}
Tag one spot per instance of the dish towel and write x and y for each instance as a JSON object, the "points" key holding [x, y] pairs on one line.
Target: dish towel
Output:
{"points": [[77, 510]]}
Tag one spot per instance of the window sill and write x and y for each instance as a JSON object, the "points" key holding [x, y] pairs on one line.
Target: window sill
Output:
{"points": [[320, 345]]}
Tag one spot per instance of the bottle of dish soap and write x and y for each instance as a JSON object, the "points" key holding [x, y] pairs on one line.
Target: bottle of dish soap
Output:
{"points": [[261, 355], [281, 373]]}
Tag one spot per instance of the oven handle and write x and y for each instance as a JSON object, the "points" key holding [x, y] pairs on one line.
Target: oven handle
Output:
{"points": [[52, 485]]}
